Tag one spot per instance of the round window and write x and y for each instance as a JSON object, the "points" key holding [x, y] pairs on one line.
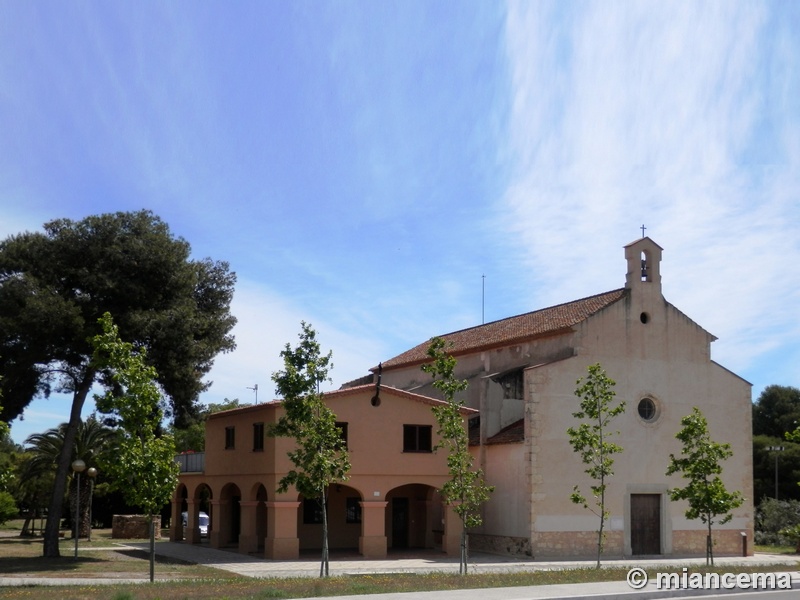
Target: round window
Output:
{"points": [[647, 409]]}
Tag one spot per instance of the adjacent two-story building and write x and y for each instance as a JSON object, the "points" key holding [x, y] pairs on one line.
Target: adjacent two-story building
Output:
{"points": [[522, 373], [390, 499]]}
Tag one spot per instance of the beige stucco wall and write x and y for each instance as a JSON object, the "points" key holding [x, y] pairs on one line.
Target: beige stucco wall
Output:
{"points": [[651, 349], [380, 472], [507, 512], [666, 359]]}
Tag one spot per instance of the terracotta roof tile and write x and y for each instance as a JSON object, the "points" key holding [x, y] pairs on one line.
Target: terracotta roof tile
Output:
{"points": [[511, 434], [539, 323], [385, 389]]}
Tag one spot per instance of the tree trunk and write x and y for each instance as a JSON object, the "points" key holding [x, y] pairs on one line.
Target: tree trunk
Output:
{"points": [[709, 546], [152, 549], [84, 497], [50, 546], [462, 569], [25, 531], [324, 567]]}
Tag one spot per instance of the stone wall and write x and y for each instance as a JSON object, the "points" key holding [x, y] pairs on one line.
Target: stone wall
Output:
{"points": [[576, 544], [133, 527], [499, 544], [726, 542]]}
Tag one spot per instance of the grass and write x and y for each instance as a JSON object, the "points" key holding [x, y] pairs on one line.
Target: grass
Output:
{"points": [[177, 580], [777, 549], [102, 557], [257, 589]]}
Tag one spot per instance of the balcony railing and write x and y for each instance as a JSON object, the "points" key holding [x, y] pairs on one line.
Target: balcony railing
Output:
{"points": [[194, 462]]}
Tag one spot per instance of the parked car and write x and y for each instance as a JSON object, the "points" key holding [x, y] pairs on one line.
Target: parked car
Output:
{"points": [[203, 522]]}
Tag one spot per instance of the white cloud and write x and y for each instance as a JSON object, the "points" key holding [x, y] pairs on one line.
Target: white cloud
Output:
{"points": [[266, 323], [646, 113]]}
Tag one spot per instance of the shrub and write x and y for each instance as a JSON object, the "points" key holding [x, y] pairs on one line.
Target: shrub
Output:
{"points": [[8, 508], [773, 517]]}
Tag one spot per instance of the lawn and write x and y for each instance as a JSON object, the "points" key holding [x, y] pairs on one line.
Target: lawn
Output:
{"points": [[177, 580]]}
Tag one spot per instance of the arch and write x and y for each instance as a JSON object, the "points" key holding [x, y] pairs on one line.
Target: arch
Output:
{"points": [[414, 517], [344, 519], [187, 507], [646, 268], [179, 506], [258, 494], [226, 517]]}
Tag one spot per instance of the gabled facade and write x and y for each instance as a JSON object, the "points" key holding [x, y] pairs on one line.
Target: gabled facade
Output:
{"points": [[523, 372], [389, 501]]}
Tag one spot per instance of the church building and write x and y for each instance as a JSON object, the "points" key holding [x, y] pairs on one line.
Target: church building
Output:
{"points": [[522, 374]]}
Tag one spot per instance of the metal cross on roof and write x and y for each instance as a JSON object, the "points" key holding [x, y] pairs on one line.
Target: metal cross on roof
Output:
{"points": [[643, 228]]}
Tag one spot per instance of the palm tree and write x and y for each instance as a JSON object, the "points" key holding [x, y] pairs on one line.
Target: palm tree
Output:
{"points": [[92, 441]]}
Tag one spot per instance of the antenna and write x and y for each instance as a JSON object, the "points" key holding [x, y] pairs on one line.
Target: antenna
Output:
{"points": [[483, 299], [255, 389]]}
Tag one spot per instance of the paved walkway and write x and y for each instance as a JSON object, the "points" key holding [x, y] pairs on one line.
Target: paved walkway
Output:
{"points": [[414, 562], [427, 562]]}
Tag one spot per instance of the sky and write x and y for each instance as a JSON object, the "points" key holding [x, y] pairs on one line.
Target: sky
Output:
{"points": [[389, 171]]}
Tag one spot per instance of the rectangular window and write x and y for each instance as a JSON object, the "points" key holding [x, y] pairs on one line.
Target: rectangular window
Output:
{"points": [[312, 511], [342, 427], [258, 437], [354, 510], [417, 438], [230, 438]]}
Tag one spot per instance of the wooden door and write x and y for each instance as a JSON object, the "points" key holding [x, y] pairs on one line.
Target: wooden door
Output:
{"points": [[645, 524]]}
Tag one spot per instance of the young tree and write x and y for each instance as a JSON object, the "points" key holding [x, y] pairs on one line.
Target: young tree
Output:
{"points": [[466, 490], [591, 440], [320, 457], [700, 464], [144, 466], [55, 285]]}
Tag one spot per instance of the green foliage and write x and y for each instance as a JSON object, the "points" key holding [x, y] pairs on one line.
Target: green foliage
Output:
{"points": [[776, 411], [93, 442], [9, 455], [144, 466], [55, 285], [764, 460], [792, 534], [772, 516], [700, 464], [591, 441], [8, 508], [320, 457], [4, 428], [192, 436], [466, 490]]}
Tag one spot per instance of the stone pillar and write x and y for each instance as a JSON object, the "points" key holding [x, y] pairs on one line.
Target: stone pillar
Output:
{"points": [[192, 531], [282, 542], [176, 522], [451, 540], [218, 536], [248, 540], [373, 542]]}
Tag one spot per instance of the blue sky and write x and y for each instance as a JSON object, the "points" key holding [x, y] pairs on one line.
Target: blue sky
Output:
{"points": [[362, 165]]}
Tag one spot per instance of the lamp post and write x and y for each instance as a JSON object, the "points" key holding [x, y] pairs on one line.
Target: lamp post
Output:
{"points": [[92, 473], [775, 449], [78, 466]]}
